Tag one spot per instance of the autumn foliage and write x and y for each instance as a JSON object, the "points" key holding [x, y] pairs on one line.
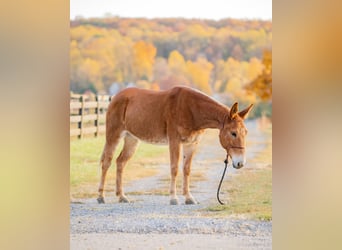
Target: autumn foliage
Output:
{"points": [[262, 84], [229, 56]]}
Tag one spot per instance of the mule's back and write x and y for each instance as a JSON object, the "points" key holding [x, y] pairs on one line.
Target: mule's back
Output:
{"points": [[148, 114], [143, 113]]}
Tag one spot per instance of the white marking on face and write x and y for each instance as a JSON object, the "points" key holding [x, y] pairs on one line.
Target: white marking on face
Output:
{"points": [[238, 160]]}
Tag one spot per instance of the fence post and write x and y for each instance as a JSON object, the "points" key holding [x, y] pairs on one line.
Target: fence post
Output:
{"points": [[97, 112], [81, 112]]}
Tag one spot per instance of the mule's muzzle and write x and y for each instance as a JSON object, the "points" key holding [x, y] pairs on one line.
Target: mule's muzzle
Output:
{"points": [[238, 165], [238, 161]]}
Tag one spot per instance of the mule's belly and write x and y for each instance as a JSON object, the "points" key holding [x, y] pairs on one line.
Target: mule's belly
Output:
{"points": [[161, 140], [145, 119]]}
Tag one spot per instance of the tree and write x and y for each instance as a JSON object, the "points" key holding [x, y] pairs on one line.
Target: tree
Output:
{"points": [[199, 73], [231, 69], [254, 69], [176, 63], [89, 75], [237, 52], [124, 57], [161, 70], [75, 61], [143, 60], [262, 84]]}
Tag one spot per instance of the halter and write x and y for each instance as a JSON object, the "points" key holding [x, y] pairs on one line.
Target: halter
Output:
{"points": [[224, 172], [225, 167], [237, 147]]}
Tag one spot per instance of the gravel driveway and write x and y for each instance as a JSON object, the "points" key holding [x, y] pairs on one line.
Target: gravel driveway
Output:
{"points": [[149, 222]]}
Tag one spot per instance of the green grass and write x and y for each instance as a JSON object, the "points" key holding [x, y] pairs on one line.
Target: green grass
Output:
{"points": [[250, 191], [84, 165]]}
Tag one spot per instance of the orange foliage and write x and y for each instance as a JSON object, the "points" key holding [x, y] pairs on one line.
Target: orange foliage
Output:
{"points": [[262, 84]]}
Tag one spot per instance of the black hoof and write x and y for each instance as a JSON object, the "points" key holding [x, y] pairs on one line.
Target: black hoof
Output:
{"points": [[100, 200], [174, 202], [190, 201], [124, 199]]}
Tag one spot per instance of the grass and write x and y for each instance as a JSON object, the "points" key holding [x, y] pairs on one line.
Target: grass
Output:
{"points": [[84, 165], [250, 191]]}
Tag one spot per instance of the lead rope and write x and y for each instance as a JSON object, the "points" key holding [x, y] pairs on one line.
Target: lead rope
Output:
{"points": [[219, 187]]}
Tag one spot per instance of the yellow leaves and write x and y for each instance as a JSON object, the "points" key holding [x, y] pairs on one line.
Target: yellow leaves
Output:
{"points": [[89, 71], [143, 59], [79, 33], [233, 86], [176, 62], [267, 61], [232, 75], [198, 30], [91, 67], [75, 54], [135, 33], [262, 84], [255, 68], [84, 33], [199, 73]]}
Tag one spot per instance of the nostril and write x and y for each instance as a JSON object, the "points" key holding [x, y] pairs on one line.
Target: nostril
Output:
{"points": [[240, 164]]}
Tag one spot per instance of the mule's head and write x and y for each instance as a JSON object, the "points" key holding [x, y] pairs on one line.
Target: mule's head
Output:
{"points": [[233, 133]]}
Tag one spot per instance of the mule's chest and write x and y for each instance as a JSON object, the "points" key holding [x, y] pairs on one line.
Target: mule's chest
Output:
{"points": [[189, 137]]}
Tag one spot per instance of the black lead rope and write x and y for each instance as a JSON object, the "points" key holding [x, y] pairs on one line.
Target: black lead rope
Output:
{"points": [[219, 187]]}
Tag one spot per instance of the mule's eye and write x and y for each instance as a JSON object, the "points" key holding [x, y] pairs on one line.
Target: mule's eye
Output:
{"points": [[233, 134]]}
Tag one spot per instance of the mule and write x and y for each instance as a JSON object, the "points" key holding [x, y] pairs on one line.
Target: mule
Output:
{"points": [[176, 117]]}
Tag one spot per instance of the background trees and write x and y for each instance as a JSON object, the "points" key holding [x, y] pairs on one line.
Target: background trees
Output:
{"points": [[261, 85], [230, 58]]}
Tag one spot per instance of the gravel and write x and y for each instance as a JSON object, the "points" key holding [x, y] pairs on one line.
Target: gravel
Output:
{"points": [[153, 214], [166, 241]]}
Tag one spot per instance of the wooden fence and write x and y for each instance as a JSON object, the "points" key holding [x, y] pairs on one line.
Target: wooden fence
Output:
{"points": [[87, 116]]}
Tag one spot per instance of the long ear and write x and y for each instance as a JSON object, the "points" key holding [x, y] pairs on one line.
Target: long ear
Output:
{"points": [[233, 111], [243, 114]]}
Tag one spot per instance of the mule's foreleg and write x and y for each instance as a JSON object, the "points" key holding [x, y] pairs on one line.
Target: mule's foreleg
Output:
{"points": [[174, 162], [188, 153], [126, 153]]}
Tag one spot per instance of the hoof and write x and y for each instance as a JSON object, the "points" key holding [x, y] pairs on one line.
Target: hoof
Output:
{"points": [[123, 199], [190, 201], [100, 200], [174, 202]]}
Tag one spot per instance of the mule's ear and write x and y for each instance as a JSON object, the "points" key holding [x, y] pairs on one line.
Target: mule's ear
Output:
{"points": [[233, 110], [243, 114]]}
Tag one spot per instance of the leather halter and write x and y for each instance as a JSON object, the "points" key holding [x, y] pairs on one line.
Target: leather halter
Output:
{"points": [[224, 171], [237, 147]]}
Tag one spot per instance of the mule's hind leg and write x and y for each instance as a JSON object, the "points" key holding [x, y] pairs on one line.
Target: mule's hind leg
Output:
{"points": [[188, 152], [127, 152], [174, 147], [106, 160]]}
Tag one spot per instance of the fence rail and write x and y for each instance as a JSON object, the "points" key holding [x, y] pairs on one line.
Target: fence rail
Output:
{"points": [[86, 116]]}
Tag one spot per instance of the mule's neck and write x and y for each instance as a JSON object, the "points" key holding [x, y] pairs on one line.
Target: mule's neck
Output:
{"points": [[210, 114]]}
